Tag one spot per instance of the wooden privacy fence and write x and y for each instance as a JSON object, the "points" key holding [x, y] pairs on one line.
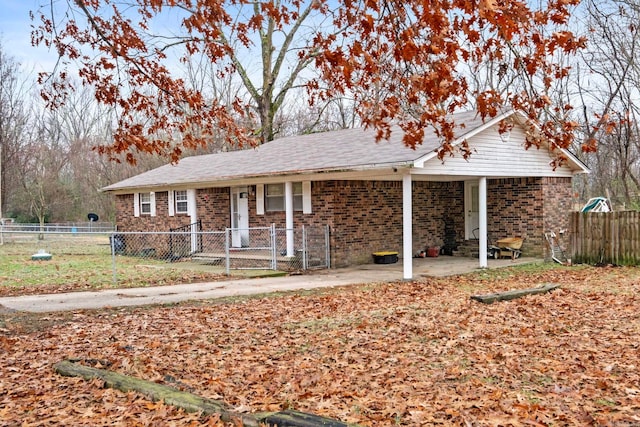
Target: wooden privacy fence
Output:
{"points": [[605, 237]]}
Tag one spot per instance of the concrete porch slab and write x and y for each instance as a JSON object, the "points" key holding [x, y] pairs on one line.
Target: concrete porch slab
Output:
{"points": [[444, 266]]}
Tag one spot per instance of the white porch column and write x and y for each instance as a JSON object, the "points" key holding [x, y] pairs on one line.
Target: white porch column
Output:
{"points": [[288, 208], [482, 220], [407, 229], [192, 210]]}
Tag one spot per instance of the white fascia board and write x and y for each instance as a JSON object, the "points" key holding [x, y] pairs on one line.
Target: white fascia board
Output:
{"points": [[579, 165]]}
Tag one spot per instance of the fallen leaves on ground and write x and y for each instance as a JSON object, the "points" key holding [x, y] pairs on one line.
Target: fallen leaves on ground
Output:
{"points": [[406, 353]]}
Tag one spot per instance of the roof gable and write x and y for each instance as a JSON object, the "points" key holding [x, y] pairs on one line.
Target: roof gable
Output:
{"points": [[495, 155]]}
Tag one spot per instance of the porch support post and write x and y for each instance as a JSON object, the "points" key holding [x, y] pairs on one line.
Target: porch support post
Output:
{"points": [[407, 230], [482, 220], [288, 207], [193, 217]]}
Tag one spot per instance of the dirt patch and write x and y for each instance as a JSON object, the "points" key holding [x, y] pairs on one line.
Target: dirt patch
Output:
{"points": [[15, 323], [79, 286], [4, 310]]}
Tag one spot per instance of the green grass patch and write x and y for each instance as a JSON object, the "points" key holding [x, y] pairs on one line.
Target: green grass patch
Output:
{"points": [[606, 402], [528, 268], [85, 263], [89, 272]]}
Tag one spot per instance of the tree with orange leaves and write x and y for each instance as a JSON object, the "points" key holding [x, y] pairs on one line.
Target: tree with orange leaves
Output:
{"points": [[399, 60]]}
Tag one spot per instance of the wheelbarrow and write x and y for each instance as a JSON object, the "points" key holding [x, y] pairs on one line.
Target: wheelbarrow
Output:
{"points": [[493, 251], [509, 247]]}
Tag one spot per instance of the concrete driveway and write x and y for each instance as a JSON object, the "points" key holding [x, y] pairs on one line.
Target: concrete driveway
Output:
{"points": [[369, 273]]}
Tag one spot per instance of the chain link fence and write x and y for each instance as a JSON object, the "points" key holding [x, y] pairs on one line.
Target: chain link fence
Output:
{"points": [[261, 248], [310, 247], [119, 257]]}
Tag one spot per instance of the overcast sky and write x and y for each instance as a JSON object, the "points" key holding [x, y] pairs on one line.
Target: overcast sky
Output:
{"points": [[15, 33]]}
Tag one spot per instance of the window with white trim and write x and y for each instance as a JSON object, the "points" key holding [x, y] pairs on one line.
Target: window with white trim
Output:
{"points": [[182, 202], [274, 197], [145, 203], [297, 196]]}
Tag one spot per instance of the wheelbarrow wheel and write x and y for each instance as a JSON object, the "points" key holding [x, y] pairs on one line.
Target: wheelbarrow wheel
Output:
{"points": [[493, 253]]}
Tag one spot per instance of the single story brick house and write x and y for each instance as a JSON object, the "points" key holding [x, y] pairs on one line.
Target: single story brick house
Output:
{"points": [[373, 196]]}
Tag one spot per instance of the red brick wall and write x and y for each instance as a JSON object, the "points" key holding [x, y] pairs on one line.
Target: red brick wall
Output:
{"points": [[366, 216], [125, 220], [434, 204], [214, 208], [557, 207], [124, 212], [528, 207], [515, 209]]}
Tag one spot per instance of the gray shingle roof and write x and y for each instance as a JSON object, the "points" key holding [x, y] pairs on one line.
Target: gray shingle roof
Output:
{"points": [[328, 151]]}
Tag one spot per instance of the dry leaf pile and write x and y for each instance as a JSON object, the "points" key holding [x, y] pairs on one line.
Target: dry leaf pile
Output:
{"points": [[414, 353]]}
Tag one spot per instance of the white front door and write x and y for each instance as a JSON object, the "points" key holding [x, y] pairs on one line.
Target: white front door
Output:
{"points": [[471, 209], [239, 217]]}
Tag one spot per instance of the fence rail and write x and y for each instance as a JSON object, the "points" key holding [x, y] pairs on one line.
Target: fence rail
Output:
{"points": [[107, 253], [605, 237], [64, 227]]}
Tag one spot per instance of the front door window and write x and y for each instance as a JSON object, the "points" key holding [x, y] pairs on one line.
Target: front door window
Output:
{"points": [[239, 217], [472, 209]]}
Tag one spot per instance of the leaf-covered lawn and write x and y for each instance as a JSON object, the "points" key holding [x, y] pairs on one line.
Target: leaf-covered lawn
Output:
{"points": [[414, 353]]}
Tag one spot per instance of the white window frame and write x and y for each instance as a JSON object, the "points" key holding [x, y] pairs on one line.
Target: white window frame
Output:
{"points": [[278, 199], [145, 204], [139, 204], [270, 199], [302, 200], [181, 198], [297, 197]]}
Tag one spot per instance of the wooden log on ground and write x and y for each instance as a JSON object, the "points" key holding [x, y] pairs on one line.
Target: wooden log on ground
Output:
{"points": [[517, 293], [171, 396], [191, 402], [292, 418]]}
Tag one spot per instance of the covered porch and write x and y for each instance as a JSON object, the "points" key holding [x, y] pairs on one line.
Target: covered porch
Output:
{"points": [[475, 213]]}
